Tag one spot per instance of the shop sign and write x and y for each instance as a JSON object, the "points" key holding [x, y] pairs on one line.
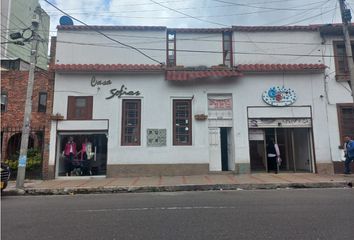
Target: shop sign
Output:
{"points": [[114, 92], [279, 96], [122, 91], [218, 103], [280, 123]]}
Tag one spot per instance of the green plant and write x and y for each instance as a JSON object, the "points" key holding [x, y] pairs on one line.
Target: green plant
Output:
{"points": [[34, 160]]}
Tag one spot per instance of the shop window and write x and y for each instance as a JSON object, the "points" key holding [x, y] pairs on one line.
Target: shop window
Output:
{"points": [[171, 49], [131, 119], [42, 102], [3, 101], [346, 120], [182, 122], [342, 70], [227, 48], [89, 154], [80, 108]]}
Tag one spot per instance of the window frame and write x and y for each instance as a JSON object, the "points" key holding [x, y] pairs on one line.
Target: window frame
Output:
{"points": [[168, 41], [340, 75], [190, 125], [6, 102], [224, 33], [340, 106], [71, 114], [39, 101], [124, 118]]}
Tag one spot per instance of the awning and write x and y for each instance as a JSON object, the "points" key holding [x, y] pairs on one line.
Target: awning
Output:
{"points": [[175, 75]]}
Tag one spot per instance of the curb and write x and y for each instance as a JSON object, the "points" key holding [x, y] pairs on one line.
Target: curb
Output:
{"points": [[216, 187]]}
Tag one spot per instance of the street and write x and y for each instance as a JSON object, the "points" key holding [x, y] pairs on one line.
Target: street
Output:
{"points": [[260, 214]]}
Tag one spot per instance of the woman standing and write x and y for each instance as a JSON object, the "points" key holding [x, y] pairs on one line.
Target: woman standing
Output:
{"points": [[273, 154]]}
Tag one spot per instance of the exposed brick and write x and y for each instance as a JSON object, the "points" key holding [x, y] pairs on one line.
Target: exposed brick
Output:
{"points": [[15, 84]]}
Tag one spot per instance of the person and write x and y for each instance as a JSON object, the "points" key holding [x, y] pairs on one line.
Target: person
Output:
{"points": [[348, 153], [273, 154], [86, 155], [70, 153]]}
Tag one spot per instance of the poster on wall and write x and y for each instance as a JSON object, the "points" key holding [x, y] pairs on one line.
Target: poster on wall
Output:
{"points": [[220, 102], [279, 96]]}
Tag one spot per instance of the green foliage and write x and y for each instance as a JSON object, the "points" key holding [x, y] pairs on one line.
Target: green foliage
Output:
{"points": [[34, 160]]}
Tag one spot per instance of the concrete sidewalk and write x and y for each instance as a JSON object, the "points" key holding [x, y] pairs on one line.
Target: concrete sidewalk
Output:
{"points": [[81, 185]]}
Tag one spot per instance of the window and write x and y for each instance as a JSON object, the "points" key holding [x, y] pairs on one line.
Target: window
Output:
{"points": [[80, 108], [182, 122], [346, 120], [131, 118], [42, 102], [171, 49], [3, 102], [342, 71], [227, 48]]}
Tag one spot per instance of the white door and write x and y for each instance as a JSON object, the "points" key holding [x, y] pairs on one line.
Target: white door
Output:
{"points": [[214, 149]]}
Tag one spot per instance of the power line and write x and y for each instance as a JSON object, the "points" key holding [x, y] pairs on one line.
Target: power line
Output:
{"points": [[204, 39], [258, 7], [103, 34], [94, 13], [209, 51], [177, 11], [304, 19]]}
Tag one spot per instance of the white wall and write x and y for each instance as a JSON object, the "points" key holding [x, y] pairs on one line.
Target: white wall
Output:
{"points": [[89, 47], [157, 95], [209, 45], [336, 92], [277, 47]]}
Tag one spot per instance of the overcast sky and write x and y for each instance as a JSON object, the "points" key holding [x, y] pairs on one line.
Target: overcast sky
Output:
{"points": [[196, 13]]}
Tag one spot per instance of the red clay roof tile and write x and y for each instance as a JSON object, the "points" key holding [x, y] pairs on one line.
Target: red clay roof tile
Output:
{"points": [[108, 67], [280, 67], [178, 75]]}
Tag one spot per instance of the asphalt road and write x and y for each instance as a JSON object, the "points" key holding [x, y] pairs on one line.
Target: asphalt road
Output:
{"points": [[262, 214]]}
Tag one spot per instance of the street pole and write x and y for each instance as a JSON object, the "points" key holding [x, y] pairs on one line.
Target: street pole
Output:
{"points": [[21, 170], [346, 17]]}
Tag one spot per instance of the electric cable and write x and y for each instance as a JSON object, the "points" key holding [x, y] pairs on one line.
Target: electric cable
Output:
{"points": [[105, 35], [199, 19]]}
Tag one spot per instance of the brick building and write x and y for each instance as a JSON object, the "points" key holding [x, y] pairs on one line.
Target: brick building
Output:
{"points": [[13, 97]]}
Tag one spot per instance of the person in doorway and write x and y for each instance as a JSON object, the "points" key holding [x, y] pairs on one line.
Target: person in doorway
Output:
{"points": [[273, 154], [348, 153], [86, 155], [70, 153]]}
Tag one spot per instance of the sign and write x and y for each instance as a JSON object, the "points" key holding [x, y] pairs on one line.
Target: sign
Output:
{"points": [[95, 82], [279, 96], [280, 123], [114, 92], [122, 91], [220, 103]]}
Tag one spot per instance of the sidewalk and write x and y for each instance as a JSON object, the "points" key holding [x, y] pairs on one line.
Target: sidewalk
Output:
{"points": [[180, 183]]}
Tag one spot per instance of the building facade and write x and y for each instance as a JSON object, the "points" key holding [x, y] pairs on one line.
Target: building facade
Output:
{"points": [[214, 103], [16, 16], [13, 97]]}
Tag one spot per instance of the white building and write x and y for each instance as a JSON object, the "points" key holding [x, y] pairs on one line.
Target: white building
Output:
{"points": [[214, 105]]}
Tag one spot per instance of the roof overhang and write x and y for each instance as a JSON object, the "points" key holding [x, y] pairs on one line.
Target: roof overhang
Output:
{"points": [[188, 75], [108, 68]]}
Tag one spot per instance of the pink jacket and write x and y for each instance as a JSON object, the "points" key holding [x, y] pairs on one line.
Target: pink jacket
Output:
{"points": [[67, 149]]}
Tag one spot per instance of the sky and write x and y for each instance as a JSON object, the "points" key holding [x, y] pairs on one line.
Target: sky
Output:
{"points": [[196, 13]]}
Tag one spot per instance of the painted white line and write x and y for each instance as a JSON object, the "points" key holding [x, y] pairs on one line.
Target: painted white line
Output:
{"points": [[155, 208]]}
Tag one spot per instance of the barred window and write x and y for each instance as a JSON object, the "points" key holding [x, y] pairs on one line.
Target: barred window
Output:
{"points": [[131, 119], [182, 122]]}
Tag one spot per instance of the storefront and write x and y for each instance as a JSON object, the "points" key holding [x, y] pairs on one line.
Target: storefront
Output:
{"points": [[294, 138]]}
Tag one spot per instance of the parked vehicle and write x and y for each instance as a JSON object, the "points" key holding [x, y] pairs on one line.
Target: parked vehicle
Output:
{"points": [[5, 175]]}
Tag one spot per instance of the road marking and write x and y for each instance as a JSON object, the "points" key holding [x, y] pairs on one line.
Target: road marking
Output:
{"points": [[155, 208]]}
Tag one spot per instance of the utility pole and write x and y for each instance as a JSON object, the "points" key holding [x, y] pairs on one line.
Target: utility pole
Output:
{"points": [[21, 170], [346, 17]]}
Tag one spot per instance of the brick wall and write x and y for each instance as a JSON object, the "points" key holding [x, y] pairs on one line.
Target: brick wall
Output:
{"points": [[14, 83]]}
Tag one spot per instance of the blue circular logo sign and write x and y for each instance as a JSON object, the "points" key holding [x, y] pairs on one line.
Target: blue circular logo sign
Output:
{"points": [[279, 96]]}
